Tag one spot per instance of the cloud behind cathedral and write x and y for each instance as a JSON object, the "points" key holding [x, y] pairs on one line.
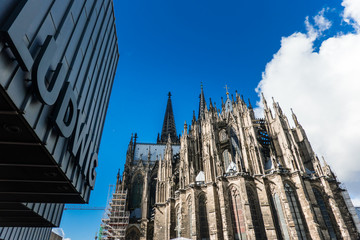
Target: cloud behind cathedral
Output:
{"points": [[322, 86]]}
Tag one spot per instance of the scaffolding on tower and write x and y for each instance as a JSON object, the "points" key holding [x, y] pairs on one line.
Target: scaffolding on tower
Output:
{"points": [[116, 218]]}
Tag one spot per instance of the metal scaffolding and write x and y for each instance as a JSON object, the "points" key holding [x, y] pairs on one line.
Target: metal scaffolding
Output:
{"points": [[116, 219]]}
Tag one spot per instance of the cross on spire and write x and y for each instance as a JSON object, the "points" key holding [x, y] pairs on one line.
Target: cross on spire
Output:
{"points": [[227, 89]]}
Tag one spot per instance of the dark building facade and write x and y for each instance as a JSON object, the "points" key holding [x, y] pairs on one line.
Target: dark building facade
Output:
{"points": [[57, 65]]}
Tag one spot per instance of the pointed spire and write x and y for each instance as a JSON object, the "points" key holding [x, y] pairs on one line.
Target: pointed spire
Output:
{"points": [[250, 106], [211, 105], [194, 117], [228, 104], [294, 117], [169, 124], [118, 181], [264, 101], [130, 146], [202, 103]]}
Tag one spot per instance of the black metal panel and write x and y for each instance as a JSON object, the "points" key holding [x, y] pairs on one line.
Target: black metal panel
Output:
{"points": [[18, 233], [67, 49], [30, 214], [57, 58]]}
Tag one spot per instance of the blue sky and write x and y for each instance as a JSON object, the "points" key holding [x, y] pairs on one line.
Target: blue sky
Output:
{"points": [[173, 46]]}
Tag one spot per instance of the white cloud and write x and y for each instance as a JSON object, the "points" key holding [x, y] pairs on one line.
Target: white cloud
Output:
{"points": [[323, 88], [320, 25], [321, 22], [352, 12]]}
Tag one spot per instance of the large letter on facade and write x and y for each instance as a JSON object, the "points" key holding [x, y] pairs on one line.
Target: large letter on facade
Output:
{"points": [[47, 92], [14, 30], [92, 173], [81, 141], [65, 113]]}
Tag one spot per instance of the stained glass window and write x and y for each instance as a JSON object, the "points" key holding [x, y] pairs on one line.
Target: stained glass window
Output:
{"points": [[296, 212], [136, 192], [256, 215], [324, 212], [237, 218], [204, 225], [279, 219]]}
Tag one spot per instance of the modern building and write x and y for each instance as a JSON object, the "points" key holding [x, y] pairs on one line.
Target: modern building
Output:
{"points": [[234, 176], [57, 65]]}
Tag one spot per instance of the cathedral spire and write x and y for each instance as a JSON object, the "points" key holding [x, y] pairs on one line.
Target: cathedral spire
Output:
{"points": [[202, 103], [169, 124]]}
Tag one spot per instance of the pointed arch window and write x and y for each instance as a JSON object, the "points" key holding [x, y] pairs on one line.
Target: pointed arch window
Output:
{"points": [[296, 211], [237, 217], [227, 159], [162, 193], [279, 218], [325, 214], [133, 234], [256, 215], [152, 194], [203, 221], [136, 192], [235, 145]]}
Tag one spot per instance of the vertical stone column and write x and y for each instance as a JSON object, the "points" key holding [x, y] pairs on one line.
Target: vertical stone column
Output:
{"points": [[265, 208], [291, 231], [335, 209], [215, 229], [144, 206], [305, 204], [160, 222], [250, 234], [224, 206]]}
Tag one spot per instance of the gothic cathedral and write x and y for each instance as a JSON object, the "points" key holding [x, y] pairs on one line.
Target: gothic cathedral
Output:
{"points": [[233, 176]]}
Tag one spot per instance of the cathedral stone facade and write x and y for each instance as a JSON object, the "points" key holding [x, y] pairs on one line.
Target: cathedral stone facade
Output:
{"points": [[233, 176]]}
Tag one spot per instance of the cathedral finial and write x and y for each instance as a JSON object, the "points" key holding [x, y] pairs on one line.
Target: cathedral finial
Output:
{"points": [[169, 94], [264, 101], [211, 105], [118, 181], [294, 117], [250, 106]]}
